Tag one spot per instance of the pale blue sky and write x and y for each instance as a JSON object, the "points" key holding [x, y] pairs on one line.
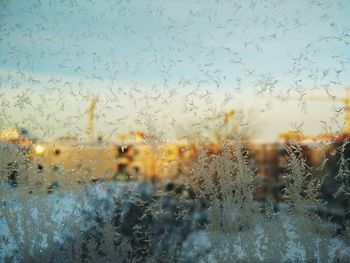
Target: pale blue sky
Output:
{"points": [[101, 47]]}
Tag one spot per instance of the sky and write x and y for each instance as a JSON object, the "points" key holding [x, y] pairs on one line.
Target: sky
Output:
{"points": [[167, 64]]}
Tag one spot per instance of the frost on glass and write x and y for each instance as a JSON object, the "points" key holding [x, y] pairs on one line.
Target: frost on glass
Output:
{"points": [[186, 131]]}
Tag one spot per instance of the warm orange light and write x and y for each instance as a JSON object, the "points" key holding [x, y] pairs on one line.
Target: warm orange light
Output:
{"points": [[39, 149]]}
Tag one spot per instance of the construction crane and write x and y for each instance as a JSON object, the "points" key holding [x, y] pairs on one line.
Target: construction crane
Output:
{"points": [[227, 117], [91, 118], [345, 100]]}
